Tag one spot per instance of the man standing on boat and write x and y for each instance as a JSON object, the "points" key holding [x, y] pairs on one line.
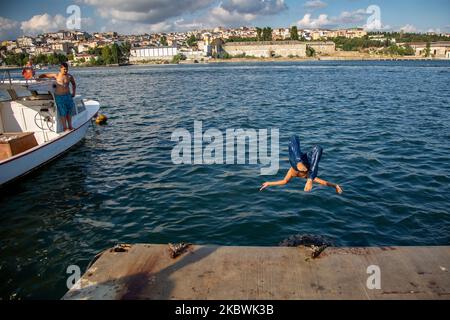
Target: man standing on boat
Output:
{"points": [[63, 98]]}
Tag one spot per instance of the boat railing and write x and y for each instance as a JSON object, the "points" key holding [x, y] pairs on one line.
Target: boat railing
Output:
{"points": [[7, 81]]}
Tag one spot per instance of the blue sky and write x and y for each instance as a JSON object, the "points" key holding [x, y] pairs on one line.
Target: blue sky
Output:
{"points": [[140, 16]]}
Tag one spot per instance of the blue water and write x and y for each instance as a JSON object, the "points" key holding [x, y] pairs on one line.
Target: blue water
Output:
{"points": [[384, 128]]}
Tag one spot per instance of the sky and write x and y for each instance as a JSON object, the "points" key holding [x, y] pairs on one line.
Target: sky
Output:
{"points": [[31, 17]]}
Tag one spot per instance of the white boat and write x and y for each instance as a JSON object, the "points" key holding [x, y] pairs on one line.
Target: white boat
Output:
{"points": [[29, 123]]}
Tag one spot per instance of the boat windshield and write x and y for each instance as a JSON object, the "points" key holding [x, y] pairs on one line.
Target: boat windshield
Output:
{"points": [[26, 90], [4, 95]]}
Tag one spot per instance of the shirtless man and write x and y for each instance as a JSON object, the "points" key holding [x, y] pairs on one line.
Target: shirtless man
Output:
{"points": [[303, 165], [63, 98]]}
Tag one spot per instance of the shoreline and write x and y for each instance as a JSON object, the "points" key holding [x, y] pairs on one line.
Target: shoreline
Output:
{"points": [[258, 60], [295, 59], [327, 58]]}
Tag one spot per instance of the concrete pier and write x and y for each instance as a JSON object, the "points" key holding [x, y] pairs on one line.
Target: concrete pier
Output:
{"points": [[147, 271]]}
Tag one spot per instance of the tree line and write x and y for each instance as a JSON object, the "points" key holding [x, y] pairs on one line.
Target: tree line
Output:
{"points": [[388, 46], [110, 54], [265, 34], [21, 59]]}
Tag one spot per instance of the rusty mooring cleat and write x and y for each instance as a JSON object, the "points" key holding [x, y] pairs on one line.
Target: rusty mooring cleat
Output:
{"points": [[123, 247], [317, 250], [317, 244], [178, 248]]}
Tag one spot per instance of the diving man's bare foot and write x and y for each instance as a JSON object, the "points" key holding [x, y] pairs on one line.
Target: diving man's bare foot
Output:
{"points": [[339, 189], [308, 185]]}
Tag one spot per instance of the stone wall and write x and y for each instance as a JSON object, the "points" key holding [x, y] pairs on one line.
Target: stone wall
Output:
{"points": [[266, 49], [323, 48], [440, 49]]}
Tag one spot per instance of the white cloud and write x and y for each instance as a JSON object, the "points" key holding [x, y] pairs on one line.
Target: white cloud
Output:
{"points": [[8, 28], [7, 24], [146, 11], [315, 4], [308, 22], [354, 18], [255, 7], [408, 28], [437, 30], [43, 23], [87, 23], [127, 27], [239, 12], [183, 25], [169, 15], [221, 16]]}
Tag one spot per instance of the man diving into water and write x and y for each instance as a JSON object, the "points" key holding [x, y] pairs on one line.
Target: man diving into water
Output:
{"points": [[303, 165]]}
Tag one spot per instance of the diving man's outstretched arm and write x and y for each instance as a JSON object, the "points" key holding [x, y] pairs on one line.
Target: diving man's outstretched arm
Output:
{"points": [[329, 184], [289, 175]]}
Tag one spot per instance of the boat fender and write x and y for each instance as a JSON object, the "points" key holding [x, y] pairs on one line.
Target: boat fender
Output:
{"points": [[101, 119]]}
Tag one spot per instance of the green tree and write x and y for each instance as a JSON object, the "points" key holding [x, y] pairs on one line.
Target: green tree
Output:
{"points": [[95, 51], [24, 60], [178, 57], [41, 59], [53, 59], [115, 53], [163, 41], [192, 40], [70, 57], [267, 34], [259, 34], [99, 61], [225, 55], [106, 55], [125, 52], [428, 49], [400, 51], [409, 51], [15, 59], [310, 52], [294, 33]]}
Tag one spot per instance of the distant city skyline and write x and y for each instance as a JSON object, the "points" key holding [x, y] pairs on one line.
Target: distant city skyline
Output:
{"points": [[28, 17]]}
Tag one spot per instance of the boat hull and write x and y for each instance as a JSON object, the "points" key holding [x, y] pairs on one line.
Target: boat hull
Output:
{"points": [[22, 164]]}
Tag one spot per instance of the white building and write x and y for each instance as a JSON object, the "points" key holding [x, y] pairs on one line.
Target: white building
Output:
{"points": [[152, 53], [25, 42]]}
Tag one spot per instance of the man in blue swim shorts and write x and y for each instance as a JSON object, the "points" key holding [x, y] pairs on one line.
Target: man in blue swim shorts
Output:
{"points": [[63, 97], [303, 165]]}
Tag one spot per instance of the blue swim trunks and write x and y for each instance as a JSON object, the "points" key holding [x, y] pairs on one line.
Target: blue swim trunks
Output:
{"points": [[310, 160], [65, 104]]}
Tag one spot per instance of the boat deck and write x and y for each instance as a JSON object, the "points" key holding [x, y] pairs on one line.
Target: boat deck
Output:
{"points": [[147, 271]]}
